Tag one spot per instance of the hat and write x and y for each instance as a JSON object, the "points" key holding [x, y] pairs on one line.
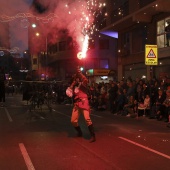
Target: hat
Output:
{"points": [[168, 91]]}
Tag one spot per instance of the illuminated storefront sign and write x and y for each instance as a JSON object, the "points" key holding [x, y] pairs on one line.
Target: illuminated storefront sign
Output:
{"points": [[100, 72]]}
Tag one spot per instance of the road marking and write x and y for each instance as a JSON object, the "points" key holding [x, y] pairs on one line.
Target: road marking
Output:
{"points": [[15, 106], [63, 114], [147, 148], [26, 157], [111, 164], [70, 116], [8, 115], [96, 115]]}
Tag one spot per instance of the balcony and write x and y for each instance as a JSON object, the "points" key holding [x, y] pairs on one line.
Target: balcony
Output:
{"points": [[120, 13], [144, 14], [143, 3]]}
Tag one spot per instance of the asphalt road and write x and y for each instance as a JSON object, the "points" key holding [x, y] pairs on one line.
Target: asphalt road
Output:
{"points": [[122, 143]]}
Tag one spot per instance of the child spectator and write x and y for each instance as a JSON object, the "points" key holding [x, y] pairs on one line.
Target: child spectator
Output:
{"points": [[145, 105], [128, 108]]}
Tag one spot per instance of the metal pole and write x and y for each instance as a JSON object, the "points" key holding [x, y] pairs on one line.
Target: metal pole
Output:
{"points": [[46, 58]]}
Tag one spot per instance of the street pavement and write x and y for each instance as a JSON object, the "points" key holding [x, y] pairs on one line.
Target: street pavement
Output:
{"points": [[49, 142]]}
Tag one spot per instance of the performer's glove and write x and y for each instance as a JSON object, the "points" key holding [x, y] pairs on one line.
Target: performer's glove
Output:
{"points": [[69, 92], [78, 70]]}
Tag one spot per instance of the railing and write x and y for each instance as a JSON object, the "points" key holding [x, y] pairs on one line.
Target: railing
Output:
{"points": [[120, 12], [123, 10], [143, 3]]}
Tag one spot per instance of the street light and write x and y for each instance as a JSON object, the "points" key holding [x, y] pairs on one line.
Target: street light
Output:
{"points": [[46, 50], [46, 46]]}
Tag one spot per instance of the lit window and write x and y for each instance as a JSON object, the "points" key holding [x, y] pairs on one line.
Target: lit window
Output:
{"points": [[104, 64]]}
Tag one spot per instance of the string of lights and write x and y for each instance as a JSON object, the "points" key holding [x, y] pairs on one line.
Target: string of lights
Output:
{"points": [[13, 50], [88, 16], [46, 19]]}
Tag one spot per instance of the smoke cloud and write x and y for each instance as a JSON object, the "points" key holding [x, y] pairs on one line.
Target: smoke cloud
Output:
{"points": [[57, 17], [18, 36]]}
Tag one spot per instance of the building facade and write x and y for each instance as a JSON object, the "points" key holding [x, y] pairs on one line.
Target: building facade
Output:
{"points": [[54, 52], [4, 45], [139, 23], [63, 61]]}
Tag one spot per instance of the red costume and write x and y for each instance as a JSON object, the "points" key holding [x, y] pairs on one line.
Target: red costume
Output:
{"points": [[79, 91]]}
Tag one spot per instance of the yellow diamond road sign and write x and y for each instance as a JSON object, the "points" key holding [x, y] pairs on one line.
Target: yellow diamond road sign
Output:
{"points": [[151, 55]]}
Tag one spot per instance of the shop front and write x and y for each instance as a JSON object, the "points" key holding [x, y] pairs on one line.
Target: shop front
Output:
{"points": [[101, 75]]}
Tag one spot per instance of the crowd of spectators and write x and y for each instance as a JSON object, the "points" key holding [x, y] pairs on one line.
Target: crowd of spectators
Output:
{"points": [[133, 98]]}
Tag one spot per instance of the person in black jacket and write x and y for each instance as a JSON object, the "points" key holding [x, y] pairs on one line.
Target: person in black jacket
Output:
{"points": [[164, 110], [167, 31], [159, 99], [120, 101], [112, 97], [2, 86]]}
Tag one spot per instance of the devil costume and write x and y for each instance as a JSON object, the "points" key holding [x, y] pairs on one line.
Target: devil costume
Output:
{"points": [[79, 91]]}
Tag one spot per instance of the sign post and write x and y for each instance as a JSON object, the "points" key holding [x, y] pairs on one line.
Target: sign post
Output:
{"points": [[151, 55]]}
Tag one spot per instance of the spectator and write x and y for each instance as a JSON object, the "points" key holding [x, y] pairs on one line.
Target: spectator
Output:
{"points": [[131, 89], [120, 101], [154, 91], [101, 102], [123, 85], [112, 97], [159, 99], [27, 91], [168, 125], [167, 31], [164, 110], [94, 97], [129, 107], [145, 104], [29, 76], [2, 86], [138, 95], [163, 86], [145, 91], [125, 94]]}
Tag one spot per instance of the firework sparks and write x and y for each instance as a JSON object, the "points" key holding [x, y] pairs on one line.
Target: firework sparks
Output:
{"points": [[90, 10], [82, 19]]}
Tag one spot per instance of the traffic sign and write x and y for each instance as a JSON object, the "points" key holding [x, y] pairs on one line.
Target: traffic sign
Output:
{"points": [[151, 55]]}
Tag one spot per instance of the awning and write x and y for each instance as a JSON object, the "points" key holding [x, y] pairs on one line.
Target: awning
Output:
{"points": [[100, 72]]}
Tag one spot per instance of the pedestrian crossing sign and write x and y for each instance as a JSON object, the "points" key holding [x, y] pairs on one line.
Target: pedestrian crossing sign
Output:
{"points": [[151, 55]]}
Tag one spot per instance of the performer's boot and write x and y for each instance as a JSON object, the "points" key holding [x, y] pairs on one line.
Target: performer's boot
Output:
{"points": [[91, 129], [79, 132]]}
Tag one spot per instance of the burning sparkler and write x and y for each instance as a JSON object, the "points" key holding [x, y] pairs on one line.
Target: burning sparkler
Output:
{"points": [[91, 10], [80, 17]]}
